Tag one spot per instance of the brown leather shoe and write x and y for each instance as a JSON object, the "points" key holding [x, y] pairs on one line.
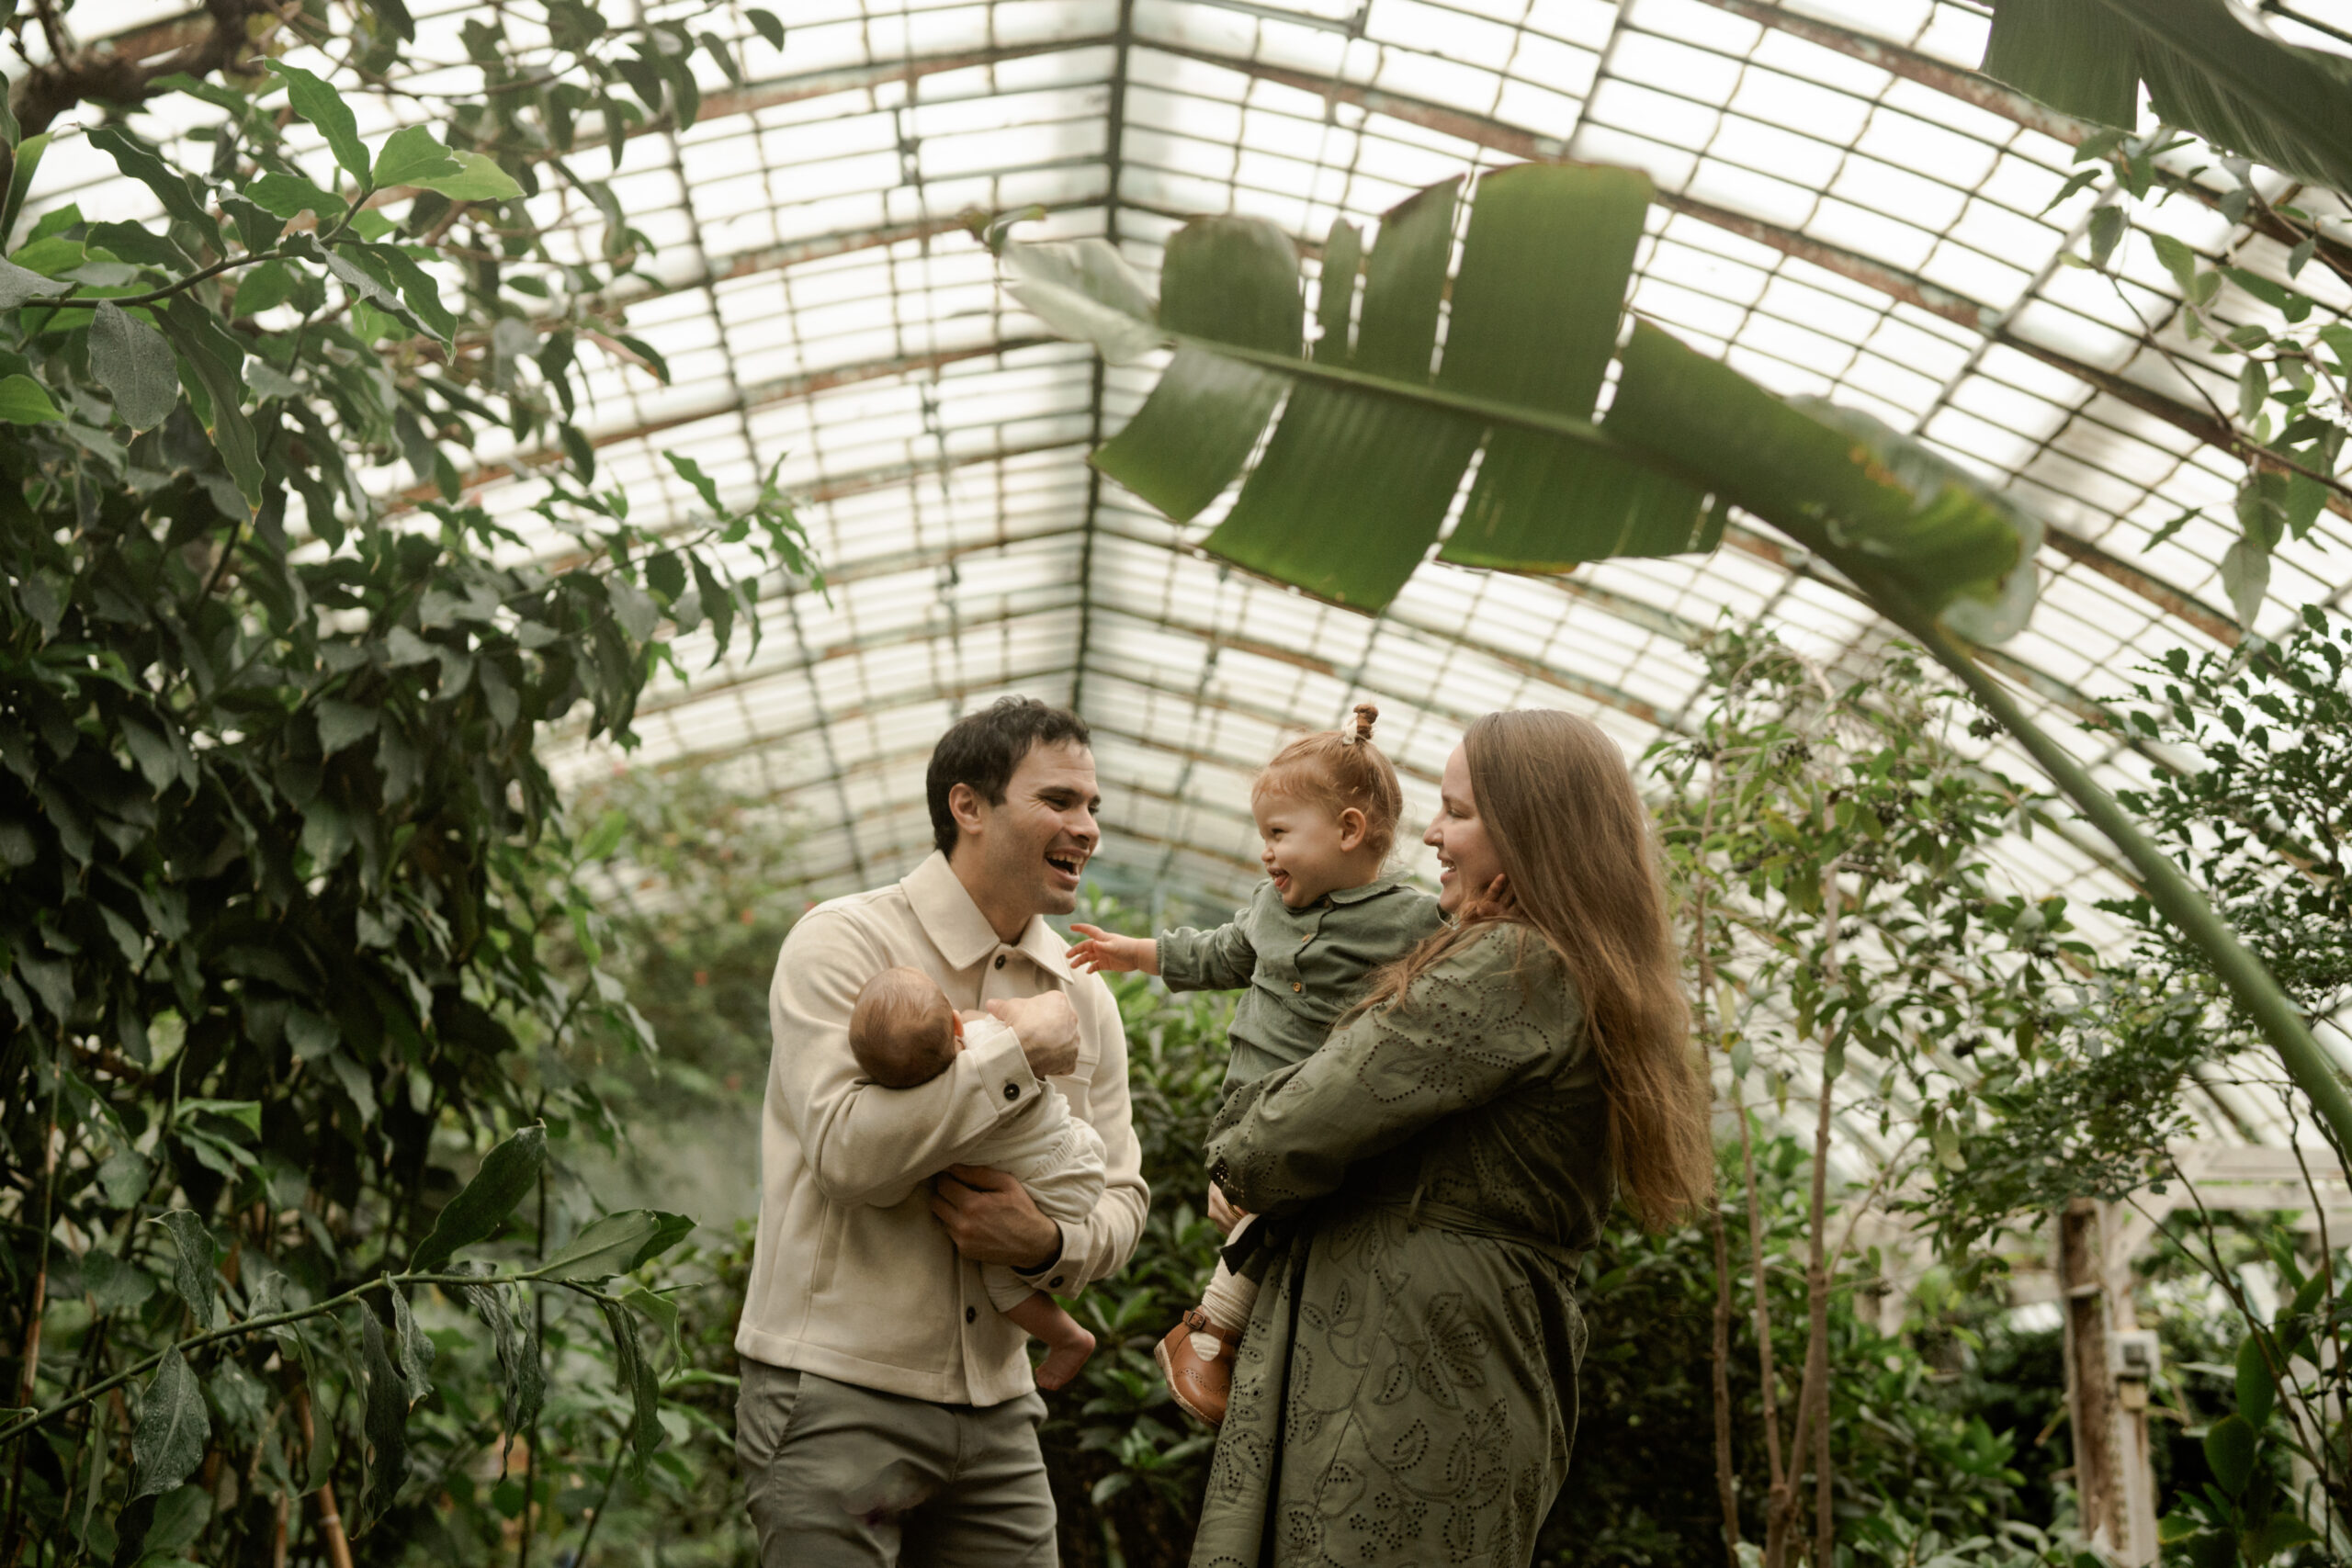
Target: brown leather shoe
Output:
{"points": [[1202, 1388]]}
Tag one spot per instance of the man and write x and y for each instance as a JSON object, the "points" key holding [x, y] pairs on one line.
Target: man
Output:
{"points": [[888, 1414]]}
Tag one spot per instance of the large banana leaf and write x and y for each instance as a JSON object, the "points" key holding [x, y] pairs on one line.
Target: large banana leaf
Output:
{"points": [[1355, 483], [1382, 422], [2210, 66]]}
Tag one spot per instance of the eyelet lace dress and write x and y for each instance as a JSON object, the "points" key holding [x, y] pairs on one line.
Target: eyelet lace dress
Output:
{"points": [[1405, 1392]]}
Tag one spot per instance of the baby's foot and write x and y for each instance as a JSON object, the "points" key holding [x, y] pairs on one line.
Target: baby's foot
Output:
{"points": [[1201, 1379], [1066, 1354]]}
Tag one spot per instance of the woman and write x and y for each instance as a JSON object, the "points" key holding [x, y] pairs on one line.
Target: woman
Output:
{"points": [[1406, 1393]]}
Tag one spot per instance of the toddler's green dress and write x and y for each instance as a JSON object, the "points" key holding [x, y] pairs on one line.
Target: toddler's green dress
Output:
{"points": [[1406, 1393]]}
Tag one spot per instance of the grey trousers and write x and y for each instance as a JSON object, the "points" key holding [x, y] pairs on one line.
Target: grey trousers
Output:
{"points": [[838, 1476]]}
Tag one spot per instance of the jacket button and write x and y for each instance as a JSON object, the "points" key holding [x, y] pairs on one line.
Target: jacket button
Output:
{"points": [[971, 1314], [1012, 1091], [1297, 986], [1055, 1283], [999, 960]]}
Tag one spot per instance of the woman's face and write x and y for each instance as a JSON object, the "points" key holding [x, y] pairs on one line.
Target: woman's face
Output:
{"points": [[1459, 836]]}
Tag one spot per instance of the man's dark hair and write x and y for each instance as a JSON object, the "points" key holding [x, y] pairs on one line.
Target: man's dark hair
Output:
{"points": [[983, 748]]}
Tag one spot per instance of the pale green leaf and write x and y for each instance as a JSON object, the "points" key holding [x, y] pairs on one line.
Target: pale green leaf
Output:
{"points": [[173, 1425], [412, 155], [134, 363], [476, 177]]}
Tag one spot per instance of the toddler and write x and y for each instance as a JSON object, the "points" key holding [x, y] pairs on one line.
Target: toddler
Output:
{"points": [[903, 1033], [1326, 809]]}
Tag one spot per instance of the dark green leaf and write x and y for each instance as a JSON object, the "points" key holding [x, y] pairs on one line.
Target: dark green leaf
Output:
{"points": [[132, 360], [1353, 486], [1878, 505], [113, 1285], [634, 1375], [2230, 1449], [2169, 529], [172, 187], [2073, 56], [216, 359], [26, 164], [577, 449], [766, 25], [1230, 280], [1535, 319], [508, 1173], [2109, 225], [691, 471], [385, 1425], [287, 195], [617, 1244], [518, 1354], [2278, 1533], [192, 1275], [2256, 1393], [646, 353], [342, 723], [173, 1427], [418, 288], [319, 104], [393, 15], [2211, 68]]}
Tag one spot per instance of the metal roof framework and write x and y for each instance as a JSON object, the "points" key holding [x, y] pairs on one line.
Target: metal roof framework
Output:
{"points": [[1845, 208]]}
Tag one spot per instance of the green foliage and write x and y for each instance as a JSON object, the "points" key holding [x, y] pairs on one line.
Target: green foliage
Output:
{"points": [[1912, 1450], [1944, 983], [2289, 352], [2259, 806], [1129, 1468], [283, 881], [1372, 446]]}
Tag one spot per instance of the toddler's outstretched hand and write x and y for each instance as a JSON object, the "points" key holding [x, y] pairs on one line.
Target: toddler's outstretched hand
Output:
{"points": [[1107, 950]]}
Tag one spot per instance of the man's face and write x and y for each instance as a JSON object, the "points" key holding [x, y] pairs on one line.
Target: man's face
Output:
{"points": [[1034, 849]]}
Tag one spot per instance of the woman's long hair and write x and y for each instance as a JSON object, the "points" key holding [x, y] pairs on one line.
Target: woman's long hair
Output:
{"points": [[1575, 844]]}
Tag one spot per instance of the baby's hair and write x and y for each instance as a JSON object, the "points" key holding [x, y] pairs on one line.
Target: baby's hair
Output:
{"points": [[902, 1029], [1340, 768]]}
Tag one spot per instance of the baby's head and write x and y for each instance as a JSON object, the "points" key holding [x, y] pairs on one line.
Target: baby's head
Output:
{"points": [[902, 1031], [1327, 808]]}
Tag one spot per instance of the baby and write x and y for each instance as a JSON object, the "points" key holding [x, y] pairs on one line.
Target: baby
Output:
{"points": [[903, 1033], [1327, 809]]}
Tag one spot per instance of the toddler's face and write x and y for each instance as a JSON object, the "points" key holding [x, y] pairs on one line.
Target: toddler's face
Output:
{"points": [[1309, 850]]}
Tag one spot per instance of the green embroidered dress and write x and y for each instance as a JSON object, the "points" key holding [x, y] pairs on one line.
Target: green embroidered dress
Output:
{"points": [[1405, 1392]]}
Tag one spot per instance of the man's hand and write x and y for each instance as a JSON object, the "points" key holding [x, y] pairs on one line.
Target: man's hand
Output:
{"points": [[1107, 950], [1224, 1213], [991, 1219], [1047, 1026]]}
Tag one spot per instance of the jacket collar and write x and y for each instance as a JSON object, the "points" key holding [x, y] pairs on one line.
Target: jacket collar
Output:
{"points": [[1371, 889], [963, 935]]}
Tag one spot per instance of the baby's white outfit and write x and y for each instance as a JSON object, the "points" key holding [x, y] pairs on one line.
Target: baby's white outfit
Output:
{"points": [[1057, 1156]]}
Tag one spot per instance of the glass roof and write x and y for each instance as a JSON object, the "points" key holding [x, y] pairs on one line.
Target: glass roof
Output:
{"points": [[1845, 208]]}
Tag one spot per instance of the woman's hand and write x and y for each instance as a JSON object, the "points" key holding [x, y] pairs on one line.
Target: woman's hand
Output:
{"points": [[1107, 950], [1223, 1214]]}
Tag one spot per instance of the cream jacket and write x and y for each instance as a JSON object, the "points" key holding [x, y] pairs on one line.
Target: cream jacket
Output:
{"points": [[852, 1277]]}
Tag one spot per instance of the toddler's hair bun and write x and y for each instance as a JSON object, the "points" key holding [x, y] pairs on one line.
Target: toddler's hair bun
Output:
{"points": [[1360, 732]]}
